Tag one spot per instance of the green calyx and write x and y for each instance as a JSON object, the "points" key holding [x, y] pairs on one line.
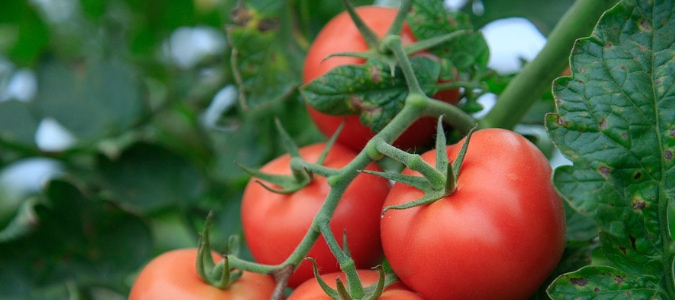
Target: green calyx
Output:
{"points": [[301, 170], [218, 275], [436, 181], [347, 292]]}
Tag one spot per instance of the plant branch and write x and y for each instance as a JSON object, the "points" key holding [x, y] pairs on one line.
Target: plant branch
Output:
{"points": [[537, 75]]}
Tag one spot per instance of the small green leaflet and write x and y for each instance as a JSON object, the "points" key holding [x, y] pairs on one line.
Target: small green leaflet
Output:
{"points": [[615, 121], [369, 90], [429, 18]]}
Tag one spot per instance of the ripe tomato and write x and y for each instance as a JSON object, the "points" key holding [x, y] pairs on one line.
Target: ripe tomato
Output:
{"points": [[274, 224], [498, 236], [310, 289], [341, 35], [173, 275]]}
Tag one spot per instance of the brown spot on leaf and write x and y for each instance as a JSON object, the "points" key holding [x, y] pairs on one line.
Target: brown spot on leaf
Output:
{"points": [[639, 205], [672, 132], [596, 290], [561, 121], [668, 155], [622, 249], [644, 25], [582, 70], [375, 74], [579, 281], [619, 279], [604, 171], [609, 46], [637, 175], [603, 124]]}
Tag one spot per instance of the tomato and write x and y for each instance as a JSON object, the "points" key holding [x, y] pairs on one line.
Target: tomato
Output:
{"points": [[498, 236], [173, 275], [310, 289], [341, 35], [274, 224]]}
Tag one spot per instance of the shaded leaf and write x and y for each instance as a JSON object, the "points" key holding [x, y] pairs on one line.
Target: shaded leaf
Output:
{"points": [[79, 241], [148, 177], [93, 102], [17, 124]]}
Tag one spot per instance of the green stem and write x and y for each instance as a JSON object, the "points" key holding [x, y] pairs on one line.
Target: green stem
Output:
{"points": [[537, 75], [347, 264], [395, 43], [372, 40], [397, 26]]}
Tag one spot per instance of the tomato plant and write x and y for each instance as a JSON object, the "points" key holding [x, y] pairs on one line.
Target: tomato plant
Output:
{"points": [[498, 236], [172, 275], [275, 223], [341, 35], [311, 290]]}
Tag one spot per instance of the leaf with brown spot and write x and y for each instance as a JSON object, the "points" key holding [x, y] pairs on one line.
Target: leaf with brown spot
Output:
{"points": [[618, 108]]}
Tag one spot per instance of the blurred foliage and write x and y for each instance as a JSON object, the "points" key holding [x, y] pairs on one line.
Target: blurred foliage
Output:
{"points": [[137, 84]]}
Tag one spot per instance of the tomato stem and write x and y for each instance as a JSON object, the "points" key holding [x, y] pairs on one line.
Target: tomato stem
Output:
{"points": [[371, 38], [397, 26], [537, 75]]}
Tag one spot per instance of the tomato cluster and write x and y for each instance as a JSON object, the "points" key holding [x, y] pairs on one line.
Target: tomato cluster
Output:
{"points": [[498, 235]]}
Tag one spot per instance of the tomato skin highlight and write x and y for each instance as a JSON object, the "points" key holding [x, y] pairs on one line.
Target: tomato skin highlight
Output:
{"points": [[499, 236], [310, 289], [274, 224], [341, 35], [173, 275]]}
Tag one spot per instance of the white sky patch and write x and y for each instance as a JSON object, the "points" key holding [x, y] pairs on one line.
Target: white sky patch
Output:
{"points": [[222, 101], [52, 136], [187, 46], [511, 40]]}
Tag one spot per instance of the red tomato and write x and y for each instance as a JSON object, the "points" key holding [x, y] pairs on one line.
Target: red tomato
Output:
{"points": [[498, 236], [310, 289], [172, 275], [341, 35], [274, 224]]}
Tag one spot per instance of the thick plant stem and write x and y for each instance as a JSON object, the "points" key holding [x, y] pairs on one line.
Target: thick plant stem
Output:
{"points": [[537, 75]]}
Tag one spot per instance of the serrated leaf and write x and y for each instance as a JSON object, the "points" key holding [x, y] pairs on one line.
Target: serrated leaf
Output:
{"points": [[602, 282], [369, 90], [429, 18], [265, 59], [615, 122]]}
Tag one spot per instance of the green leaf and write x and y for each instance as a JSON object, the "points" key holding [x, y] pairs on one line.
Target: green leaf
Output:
{"points": [[79, 240], [94, 101], [615, 122], [266, 62], [601, 282], [18, 124], [148, 177], [368, 90], [23, 34], [429, 18]]}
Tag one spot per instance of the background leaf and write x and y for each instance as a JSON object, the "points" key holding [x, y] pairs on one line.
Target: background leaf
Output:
{"points": [[615, 122]]}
